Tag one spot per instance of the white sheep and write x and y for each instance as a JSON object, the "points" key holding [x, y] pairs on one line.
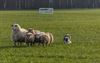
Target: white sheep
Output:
{"points": [[18, 34]]}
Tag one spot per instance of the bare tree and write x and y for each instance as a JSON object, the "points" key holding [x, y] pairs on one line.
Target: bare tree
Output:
{"points": [[93, 4], [5, 3], [33, 3], [16, 4], [71, 3], [50, 3], [59, 3], [19, 4], [67, 3], [25, 3]]}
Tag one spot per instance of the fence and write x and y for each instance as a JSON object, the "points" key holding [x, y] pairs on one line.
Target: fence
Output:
{"points": [[35, 4]]}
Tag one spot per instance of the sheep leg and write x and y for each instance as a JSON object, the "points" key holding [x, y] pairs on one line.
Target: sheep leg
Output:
{"points": [[14, 43], [31, 44], [46, 43], [39, 44], [43, 44], [27, 44], [20, 43]]}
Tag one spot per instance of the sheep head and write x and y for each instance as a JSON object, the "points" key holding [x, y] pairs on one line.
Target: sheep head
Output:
{"points": [[16, 27]]}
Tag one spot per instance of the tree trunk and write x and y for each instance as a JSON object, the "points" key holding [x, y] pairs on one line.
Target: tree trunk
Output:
{"points": [[71, 3], [16, 4], [59, 3], [19, 4], [93, 3], [5, 4]]}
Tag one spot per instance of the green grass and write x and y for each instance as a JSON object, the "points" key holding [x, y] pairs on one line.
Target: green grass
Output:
{"points": [[82, 25]]}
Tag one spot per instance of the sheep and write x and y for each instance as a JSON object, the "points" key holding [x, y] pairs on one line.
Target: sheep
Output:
{"points": [[44, 38], [37, 37], [51, 37], [30, 37], [37, 31], [18, 34]]}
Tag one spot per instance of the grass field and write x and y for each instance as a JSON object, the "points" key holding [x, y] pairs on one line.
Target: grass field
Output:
{"points": [[82, 25]]}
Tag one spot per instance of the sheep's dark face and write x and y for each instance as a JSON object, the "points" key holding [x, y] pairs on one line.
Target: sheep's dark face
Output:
{"points": [[38, 36], [15, 27], [30, 30]]}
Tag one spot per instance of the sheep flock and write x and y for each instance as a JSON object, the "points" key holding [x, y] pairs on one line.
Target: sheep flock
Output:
{"points": [[30, 36]]}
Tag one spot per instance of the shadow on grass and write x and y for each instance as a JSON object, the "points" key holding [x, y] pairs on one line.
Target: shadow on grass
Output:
{"points": [[4, 47], [45, 56], [23, 46], [62, 56], [52, 56]]}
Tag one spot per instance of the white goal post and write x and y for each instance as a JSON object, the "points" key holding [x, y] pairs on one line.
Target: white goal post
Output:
{"points": [[46, 10]]}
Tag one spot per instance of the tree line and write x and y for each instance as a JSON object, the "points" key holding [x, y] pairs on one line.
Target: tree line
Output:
{"points": [[35, 4]]}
